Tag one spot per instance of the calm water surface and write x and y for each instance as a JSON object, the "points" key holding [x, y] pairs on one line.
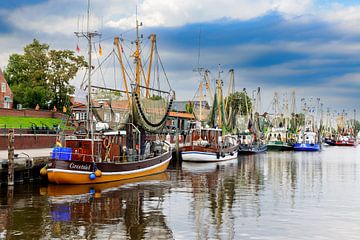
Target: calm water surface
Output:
{"points": [[288, 195]]}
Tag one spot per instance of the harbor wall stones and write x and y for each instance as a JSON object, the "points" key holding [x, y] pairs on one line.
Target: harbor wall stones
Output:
{"points": [[27, 141]]}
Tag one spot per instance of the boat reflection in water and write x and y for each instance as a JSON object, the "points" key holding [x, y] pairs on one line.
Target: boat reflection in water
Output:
{"points": [[109, 210], [196, 167]]}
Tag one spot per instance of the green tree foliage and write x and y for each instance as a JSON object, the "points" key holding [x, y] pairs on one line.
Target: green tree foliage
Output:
{"points": [[41, 76], [356, 126], [189, 107]]}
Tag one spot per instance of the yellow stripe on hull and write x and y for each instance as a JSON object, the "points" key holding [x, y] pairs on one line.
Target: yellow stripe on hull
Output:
{"points": [[74, 177]]}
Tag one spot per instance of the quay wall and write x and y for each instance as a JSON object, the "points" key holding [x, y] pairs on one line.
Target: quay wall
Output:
{"points": [[30, 113], [27, 141]]}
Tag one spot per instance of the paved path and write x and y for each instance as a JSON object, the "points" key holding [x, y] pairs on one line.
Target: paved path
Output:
{"points": [[36, 152]]}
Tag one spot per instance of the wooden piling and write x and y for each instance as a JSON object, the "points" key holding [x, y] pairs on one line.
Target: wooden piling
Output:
{"points": [[11, 142], [9, 211]]}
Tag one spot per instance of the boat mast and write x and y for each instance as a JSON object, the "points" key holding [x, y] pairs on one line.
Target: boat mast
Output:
{"points": [[137, 56], [219, 98], [89, 35]]}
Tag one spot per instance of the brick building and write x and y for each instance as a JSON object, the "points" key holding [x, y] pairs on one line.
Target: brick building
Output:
{"points": [[6, 95]]}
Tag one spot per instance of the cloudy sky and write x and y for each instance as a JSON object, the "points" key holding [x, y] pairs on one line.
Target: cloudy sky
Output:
{"points": [[310, 46]]}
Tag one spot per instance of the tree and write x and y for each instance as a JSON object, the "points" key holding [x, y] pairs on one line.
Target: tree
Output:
{"points": [[41, 76], [62, 67], [189, 107]]}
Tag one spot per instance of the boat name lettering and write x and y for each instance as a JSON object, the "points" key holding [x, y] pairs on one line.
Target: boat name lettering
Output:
{"points": [[79, 167]]}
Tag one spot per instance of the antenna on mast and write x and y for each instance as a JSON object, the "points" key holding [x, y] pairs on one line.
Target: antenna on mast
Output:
{"points": [[89, 36]]}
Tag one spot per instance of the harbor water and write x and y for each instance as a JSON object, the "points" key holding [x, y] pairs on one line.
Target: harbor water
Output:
{"points": [[274, 195]]}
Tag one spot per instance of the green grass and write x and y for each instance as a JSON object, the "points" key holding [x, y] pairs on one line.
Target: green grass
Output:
{"points": [[27, 122]]}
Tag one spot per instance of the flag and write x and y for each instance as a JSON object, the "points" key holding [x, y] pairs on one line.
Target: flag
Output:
{"points": [[77, 48], [100, 50], [58, 143]]}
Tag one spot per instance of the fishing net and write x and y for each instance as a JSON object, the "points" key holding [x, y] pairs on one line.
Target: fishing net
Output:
{"points": [[151, 113]]}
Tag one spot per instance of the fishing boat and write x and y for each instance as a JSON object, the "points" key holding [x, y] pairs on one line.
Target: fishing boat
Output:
{"points": [[330, 141], [121, 153], [210, 146], [277, 140], [307, 138], [307, 141], [252, 139], [345, 129], [251, 147], [347, 140]]}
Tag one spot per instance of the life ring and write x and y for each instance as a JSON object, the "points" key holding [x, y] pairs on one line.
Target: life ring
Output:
{"points": [[106, 143]]}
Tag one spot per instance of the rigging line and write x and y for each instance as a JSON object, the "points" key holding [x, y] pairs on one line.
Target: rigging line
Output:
{"points": [[162, 67], [111, 37], [199, 47], [99, 67], [127, 74], [102, 63], [114, 72], [84, 79], [129, 65], [154, 71], [197, 91]]}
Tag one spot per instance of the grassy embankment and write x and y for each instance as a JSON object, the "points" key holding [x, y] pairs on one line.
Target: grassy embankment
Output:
{"points": [[28, 122]]}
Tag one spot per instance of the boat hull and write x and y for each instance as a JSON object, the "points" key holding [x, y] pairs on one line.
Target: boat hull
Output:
{"points": [[330, 142], [252, 149], [345, 144], [306, 147], [78, 172], [198, 156], [279, 147]]}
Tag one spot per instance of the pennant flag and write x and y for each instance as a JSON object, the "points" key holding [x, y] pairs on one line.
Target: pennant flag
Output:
{"points": [[100, 50], [58, 143], [77, 48]]}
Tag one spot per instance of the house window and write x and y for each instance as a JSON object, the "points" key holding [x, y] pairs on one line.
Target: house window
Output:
{"points": [[117, 117], [107, 117], [3, 87], [81, 116]]}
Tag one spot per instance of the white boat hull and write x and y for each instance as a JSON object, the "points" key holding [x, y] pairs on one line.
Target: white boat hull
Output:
{"points": [[196, 156]]}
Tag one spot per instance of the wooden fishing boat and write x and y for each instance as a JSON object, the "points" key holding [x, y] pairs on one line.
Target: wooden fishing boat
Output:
{"points": [[118, 154], [81, 169], [213, 147]]}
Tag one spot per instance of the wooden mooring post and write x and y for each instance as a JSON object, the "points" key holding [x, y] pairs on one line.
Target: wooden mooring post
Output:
{"points": [[11, 142]]}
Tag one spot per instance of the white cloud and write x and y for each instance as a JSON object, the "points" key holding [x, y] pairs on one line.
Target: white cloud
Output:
{"points": [[344, 18], [179, 12], [60, 16]]}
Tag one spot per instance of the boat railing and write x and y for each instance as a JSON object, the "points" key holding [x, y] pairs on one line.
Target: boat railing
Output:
{"points": [[66, 154]]}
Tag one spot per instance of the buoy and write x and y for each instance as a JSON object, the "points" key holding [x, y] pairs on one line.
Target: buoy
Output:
{"points": [[92, 176], [98, 173], [43, 171]]}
